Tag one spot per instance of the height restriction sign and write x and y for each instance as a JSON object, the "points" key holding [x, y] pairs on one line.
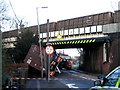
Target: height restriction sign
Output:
{"points": [[49, 50]]}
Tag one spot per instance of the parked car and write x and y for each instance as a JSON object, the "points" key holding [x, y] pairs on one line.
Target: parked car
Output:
{"points": [[109, 82]]}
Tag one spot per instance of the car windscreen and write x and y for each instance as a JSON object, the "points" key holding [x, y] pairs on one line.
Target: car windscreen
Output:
{"points": [[112, 79]]}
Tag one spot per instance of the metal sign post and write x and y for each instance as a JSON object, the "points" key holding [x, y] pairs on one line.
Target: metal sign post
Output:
{"points": [[40, 44], [48, 57], [0, 58]]}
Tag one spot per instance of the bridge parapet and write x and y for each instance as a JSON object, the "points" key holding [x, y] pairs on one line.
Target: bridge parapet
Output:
{"points": [[75, 33], [85, 32], [111, 28]]}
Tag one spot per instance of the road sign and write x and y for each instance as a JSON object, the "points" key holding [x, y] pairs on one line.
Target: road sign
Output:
{"points": [[59, 37], [49, 50]]}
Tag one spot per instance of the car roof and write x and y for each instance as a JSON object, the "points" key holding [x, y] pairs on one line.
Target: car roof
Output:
{"points": [[113, 71]]}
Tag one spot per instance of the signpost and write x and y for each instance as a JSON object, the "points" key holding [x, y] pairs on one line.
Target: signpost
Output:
{"points": [[0, 59], [48, 51], [59, 37]]}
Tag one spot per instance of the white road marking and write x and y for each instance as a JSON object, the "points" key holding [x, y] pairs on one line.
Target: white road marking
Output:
{"points": [[71, 86], [85, 77]]}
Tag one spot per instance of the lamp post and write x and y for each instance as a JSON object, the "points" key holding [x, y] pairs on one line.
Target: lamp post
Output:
{"points": [[0, 56], [40, 40]]}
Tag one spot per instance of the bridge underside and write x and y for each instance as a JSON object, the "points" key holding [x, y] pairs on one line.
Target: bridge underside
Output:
{"points": [[92, 48], [78, 43]]}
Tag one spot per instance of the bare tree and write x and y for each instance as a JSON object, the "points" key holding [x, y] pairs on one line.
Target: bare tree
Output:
{"points": [[13, 22], [3, 18], [3, 10], [3, 13], [80, 50], [81, 58]]}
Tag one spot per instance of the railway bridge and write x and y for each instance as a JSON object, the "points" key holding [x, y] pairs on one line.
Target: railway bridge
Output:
{"points": [[100, 45], [98, 35]]}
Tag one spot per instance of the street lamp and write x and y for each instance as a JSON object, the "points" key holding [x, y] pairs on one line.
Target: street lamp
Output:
{"points": [[40, 40], [0, 55]]}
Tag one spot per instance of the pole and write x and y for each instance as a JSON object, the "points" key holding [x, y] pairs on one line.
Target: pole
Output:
{"points": [[40, 44], [0, 57], [48, 57]]}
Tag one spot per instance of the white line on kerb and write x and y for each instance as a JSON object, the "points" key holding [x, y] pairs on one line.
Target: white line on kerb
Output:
{"points": [[84, 77]]}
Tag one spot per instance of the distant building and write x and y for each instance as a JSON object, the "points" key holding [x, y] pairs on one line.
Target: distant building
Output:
{"points": [[65, 56]]}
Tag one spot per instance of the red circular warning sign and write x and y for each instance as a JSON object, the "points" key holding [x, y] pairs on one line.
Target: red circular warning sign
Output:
{"points": [[49, 50]]}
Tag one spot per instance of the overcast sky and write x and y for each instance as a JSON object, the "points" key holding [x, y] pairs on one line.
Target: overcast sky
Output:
{"points": [[59, 9]]}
